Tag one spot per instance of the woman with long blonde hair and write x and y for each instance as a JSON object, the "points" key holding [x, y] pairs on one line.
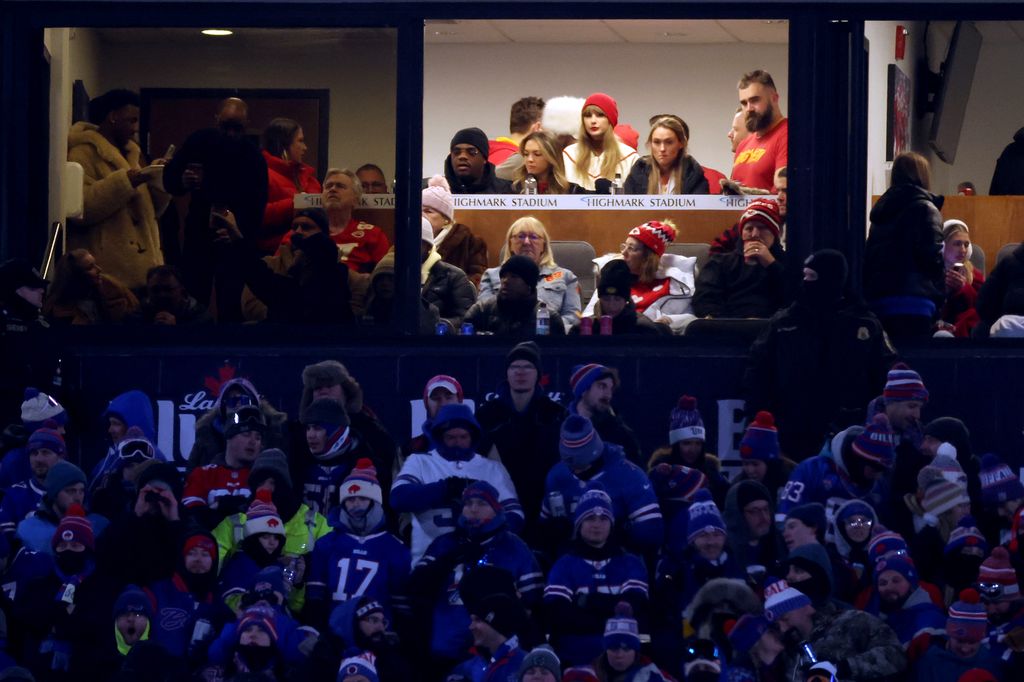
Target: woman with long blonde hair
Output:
{"points": [[597, 152], [543, 161], [668, 169], [558, 287]]}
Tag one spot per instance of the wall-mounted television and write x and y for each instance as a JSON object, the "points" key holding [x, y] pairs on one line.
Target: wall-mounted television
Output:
{"points": [[954, 90]]}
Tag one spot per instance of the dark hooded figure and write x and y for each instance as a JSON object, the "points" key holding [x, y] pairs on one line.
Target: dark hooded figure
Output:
{"points": [[827, 337]]}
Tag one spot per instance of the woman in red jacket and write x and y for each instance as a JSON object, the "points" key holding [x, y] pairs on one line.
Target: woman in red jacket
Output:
{"points": [[284, 145], [963, 281]]}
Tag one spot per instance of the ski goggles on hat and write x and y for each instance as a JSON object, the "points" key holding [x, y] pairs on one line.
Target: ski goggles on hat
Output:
{"points": [[237, 400], [134, 451]]}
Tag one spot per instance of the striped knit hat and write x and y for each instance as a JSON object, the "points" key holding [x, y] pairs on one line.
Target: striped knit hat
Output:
{"points": [[967, 618], [362, 482], [704, 516], [579, 446], [584, 376], [886, 543], [903, 383], [262, 516], [877, 443], [262, 617], [780, 599], [998, 482], [654, 235], [966, 534], [685, 423], [764, 211], [942, 495], [482, 490], [747, 631], [761, 441], [997, 580], [46, 439], [622, 629], [593, 502]]}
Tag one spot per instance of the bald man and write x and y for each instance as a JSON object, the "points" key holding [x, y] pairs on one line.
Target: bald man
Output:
{"points": [[220, 168]]}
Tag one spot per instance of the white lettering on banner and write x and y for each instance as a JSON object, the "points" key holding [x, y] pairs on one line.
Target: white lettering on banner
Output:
{"points": [[576, 202], [165, 429], [730, 425], [197, 402], [303, 200]]}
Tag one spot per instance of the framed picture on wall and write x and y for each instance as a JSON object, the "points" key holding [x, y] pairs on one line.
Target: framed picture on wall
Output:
{"points": [[897, 120], [169, 115]]}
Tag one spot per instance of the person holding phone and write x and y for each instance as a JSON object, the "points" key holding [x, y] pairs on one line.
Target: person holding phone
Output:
{"points": [[122, 203], [284, 146], [963, 280]]}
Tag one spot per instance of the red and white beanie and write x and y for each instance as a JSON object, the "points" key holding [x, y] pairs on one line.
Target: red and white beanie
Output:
{"points": [[997, 577], [764, 211], [654, 235], [362, 482], [262, 516]]}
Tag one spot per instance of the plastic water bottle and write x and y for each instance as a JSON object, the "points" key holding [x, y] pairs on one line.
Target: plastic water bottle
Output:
{"points": [[530, 185], [543, 320], [617, 184], [586, 326]]}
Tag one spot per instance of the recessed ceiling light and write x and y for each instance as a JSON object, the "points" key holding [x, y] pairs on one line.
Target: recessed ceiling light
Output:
{"points": [[673, 34], [217, 32], [445, 33]]}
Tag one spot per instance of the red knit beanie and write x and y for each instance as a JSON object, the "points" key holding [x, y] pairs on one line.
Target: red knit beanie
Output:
{"points": [[606, 104]]}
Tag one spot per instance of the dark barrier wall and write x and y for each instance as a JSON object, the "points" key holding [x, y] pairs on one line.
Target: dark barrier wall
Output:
{"points": [[982, 386]]}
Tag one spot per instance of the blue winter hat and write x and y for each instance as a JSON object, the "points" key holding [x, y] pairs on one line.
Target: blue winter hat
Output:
{"points": [[780, 599], [622, 630], [133, 600], [272, 578], [761, 441], [746, 631], [360, 665], [594, 502], [60, 476], [46, 439], [704, 516], [579, 446], [902, 565], [455, 415], [966, 534], [998, 482], [584, 376]]}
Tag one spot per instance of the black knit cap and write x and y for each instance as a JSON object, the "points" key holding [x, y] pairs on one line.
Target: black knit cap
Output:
{"points": [[616, 279], [317, 215], [522, 267], [161, 471], [527, 350], [473, 136]]}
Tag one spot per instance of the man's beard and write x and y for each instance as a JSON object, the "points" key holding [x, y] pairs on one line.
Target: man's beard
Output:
{"points": [[757, 123]]}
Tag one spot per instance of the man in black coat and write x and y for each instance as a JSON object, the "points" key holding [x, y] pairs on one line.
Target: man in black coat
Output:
{"points": [[522, 423], [218, 168], [593, 387], [750, 280], [1008, 177], [819, 361], [447, 287]]}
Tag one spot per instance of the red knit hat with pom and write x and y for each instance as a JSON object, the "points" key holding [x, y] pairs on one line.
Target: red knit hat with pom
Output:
{"points": [[761, 441], [967, 617], [74, 527], [655, 235]]}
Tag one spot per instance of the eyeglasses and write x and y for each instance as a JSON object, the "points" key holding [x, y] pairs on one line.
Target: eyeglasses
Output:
{"points": [[990, 591], [527, 236], [238, 400], [859, 523], [634, 248]]}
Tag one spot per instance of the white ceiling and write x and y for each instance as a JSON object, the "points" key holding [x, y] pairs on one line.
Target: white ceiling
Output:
{"points": [[600, 31], [692, 32]]}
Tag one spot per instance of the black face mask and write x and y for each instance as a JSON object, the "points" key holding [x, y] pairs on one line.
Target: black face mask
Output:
{"points": [[816, 589], [961, 570], [703, 676], [256, 658], [71, 563]]}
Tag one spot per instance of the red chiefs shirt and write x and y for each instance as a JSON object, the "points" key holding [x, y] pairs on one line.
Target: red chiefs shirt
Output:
{"points": [[361, 244], [760, 155], [206, 484]]}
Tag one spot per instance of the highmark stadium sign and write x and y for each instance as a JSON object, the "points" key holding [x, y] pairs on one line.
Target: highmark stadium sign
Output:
{"points": [[565, 202]]}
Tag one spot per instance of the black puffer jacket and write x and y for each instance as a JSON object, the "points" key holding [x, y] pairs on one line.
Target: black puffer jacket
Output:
{"points": [[903, 256], [486, 317], [1002, 293], [448, 288], [694, 181]]}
